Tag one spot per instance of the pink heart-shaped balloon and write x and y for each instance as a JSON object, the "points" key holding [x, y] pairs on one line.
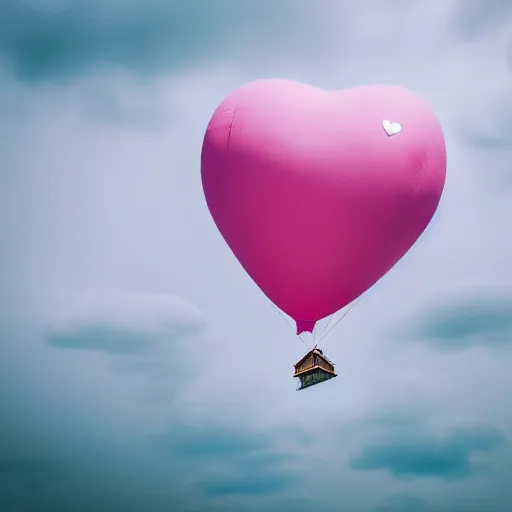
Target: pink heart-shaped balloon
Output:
{"points": [[318, 194]]}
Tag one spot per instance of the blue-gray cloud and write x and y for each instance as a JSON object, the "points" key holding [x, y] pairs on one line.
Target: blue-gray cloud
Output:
{"points": [[28, 472], [123, 323], [102, 337], [472, 18], [250, 463], [213, 442], [496, 137], [60, 39], [42, 476], [105, 102], [43, 485], [424, 455], [480, 316], [403, 503], [63, 450], [249, 485]]}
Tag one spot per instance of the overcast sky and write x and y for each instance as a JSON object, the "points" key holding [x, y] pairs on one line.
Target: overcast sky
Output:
{"points": [[140, 367]]}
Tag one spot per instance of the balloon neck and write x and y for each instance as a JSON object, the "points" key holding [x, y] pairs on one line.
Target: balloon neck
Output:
{"points": [[305, 326]]}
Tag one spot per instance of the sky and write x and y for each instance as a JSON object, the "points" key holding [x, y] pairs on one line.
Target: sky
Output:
{"points": [[141, 369]]}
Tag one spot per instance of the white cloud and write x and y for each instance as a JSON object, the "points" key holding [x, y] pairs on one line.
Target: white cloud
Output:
{"points": [[161, 315]]}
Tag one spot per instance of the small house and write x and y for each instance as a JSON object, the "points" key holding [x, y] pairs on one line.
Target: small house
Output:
{"points": [[314, 368]]}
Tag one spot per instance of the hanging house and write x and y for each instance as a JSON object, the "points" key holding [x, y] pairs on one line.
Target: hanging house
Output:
{"points": [[313, 368]]}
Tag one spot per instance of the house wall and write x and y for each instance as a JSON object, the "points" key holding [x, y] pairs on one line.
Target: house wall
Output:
{"points": [[325, 364], [315, 377], [307, 363]]}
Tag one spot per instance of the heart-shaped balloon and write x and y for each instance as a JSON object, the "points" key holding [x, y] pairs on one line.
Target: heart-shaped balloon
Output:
{"points": [[319, 194]]}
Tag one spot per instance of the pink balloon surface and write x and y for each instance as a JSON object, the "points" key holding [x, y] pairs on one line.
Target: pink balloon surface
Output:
{"points": [[313, 196]]}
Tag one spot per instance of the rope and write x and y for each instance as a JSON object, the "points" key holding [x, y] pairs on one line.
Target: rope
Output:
{"points": [[325, 328], [339, 320], [290, 325], [325, 331]]}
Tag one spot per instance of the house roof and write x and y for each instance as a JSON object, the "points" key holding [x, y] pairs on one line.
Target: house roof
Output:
{"points": [[314, 351]]}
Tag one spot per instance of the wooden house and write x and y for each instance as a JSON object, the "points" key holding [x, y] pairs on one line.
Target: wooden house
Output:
{"points": [[314, 368]]}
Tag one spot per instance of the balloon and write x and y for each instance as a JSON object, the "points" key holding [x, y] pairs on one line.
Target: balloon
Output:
{"points": [[319, 194]]}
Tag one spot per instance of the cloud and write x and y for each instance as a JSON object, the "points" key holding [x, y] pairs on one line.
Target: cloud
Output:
{"points": [[18, 475], [492, 133], [233, 461], [460, 319], [403, 503], [87, 203], [473, 18], [65, 38], [28, 472], [122, 107], [122, 323], [250, 485], [214, 442], [70, 435], [76, 481], [422, 454]]}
